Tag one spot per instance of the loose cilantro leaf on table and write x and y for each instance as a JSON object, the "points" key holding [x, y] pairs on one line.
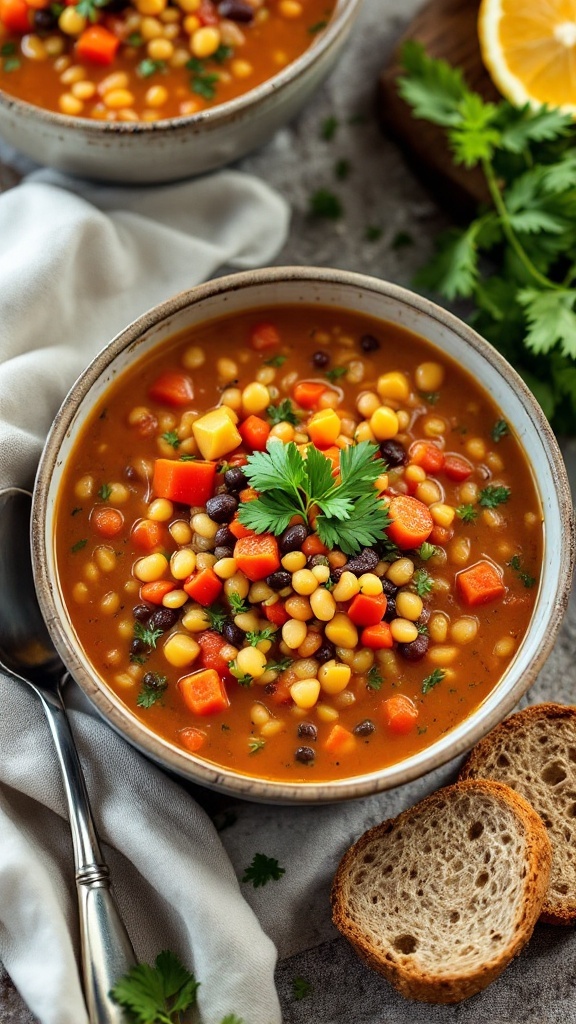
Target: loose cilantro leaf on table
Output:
{"points": [[159, 994], [262, 870], [324, 203], [329, 128], [301, 988]]}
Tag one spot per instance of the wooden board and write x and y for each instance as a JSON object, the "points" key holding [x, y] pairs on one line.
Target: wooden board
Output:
{"points": [[447, 29]]}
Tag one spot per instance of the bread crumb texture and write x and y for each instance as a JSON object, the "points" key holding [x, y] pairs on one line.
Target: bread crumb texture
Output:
{"points": [[440, 899], [534, 752]]}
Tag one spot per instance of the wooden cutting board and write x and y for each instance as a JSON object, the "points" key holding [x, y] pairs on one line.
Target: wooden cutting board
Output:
{"points": [[447, 29]]}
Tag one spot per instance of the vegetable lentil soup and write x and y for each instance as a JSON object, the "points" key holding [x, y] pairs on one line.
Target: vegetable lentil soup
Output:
{"points": [[298, 542], [111, 60]]}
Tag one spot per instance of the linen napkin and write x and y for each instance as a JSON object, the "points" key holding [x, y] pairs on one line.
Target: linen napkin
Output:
{"points": [[78, 262]]}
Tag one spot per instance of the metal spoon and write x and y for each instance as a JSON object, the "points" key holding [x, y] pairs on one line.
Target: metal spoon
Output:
{"points": [[27, 654]]}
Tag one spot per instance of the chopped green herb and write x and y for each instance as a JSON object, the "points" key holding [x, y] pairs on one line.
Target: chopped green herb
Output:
{"points": [[401, 240], [467, 513], [373, 233], [256, 744], [336, 372], [263, 870], [171, 437], [301, 988], [499, 430], [204, 85], [242, 678], [217, 616], [426, 550], [318, 27], [156, 994], [268, 633], [186, 457], [329, 584], [342, 169], [237, 604], [389, 551], [147, 636], [329, 129], [231, 1018], [433, 679], [324, 203], [279, 666], [223, 467], [422, 628], [491, 497], [284, 412], [430, 396], [422, 582], [135, 39], [222, 54], [276, 361], [89, 8], [357, 119], [224, 820], [515, 563], [78, 545], [374, 679], [152, 689], [147, 67], [11, 64], [7, 49], [105, 492]]}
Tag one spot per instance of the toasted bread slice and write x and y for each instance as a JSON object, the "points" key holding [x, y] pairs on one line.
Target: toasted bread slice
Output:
{"points": [[441, 898], [534, 752]]}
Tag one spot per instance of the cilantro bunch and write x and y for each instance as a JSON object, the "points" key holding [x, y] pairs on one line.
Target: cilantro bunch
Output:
{"points": [[517, 259], [347, 513]]}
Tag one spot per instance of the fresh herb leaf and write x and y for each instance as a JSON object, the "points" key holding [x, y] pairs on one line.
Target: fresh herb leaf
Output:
{"points": [[135, 40], [217, 617], [78, 545], [11, 64], [186, 457], [231, 1018], [491, 497], [499, 430], [324, 203], [430, 396], [242, 678], [268, 633], [284, 412], [152, 689], [317, 27], [105, 492], [401, 240], [202, 82], [159, 993], [7, 49], [279, 666], [373, 233], [171, 437], [422, 583], [263, 870], [256, 744], [89, 8], [433, 679], [342, 169], [147, 67], [467, 513], [301, 988], [374, 679], [329, 128], [146, 635], [527, 580], [336, 372], [222, 54], [426, 550], [237, 604], [275, 361]]}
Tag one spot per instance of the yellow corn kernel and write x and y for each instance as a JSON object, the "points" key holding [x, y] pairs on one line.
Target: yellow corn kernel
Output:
{"points": [[384, 423], [151, 28], [189, 6], [323, 604], [180, 650], [394, 386], [403, 631], [362, 661], [409, 605], [290, 8], [429, 377], [334, 677], [196, 619], [175, 599], [324, 427], [495, 463], [153, 7], [194, 356], [247, 621], [105, 558], [205, 41], [310, 644], [54, 47], [215, 434], [327, 714], [468, 493], [182, 563], [364, 432], [160, 510], [251, 661], [180, 531], [428, 492], [225, 568], [294, 561], [124, 680], [91, 572], [369, 584], [33, 47], [321, 572], [341, 631], [305, 693], [459, 551], [259, 715], [492, 517], [305, 668], [294, 633], [346, 588], [150, 568]]}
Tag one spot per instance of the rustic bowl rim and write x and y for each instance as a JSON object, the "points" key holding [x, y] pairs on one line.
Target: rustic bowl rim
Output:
{"points": [[221, 113], [461, 737]]}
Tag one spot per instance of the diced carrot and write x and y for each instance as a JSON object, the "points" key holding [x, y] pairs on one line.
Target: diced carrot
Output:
{"points": [[400, 714], [276, 613], [257, 556], [427, 455], [307, 393], [211, 644], [411, 521], [264, 336], [107, 521], [313, 546], [97, 44], [192, 738], [204, 692], [378, 637], [333, 453], [238, 459], [203, 586], [254, 432], [366, 610], [323, 428], [440, 535], [238, 529], [207, 13], [340, 741], [457, 468], [248, 494], [148, 534], [480, 584], [189, 483], [156, 591], [38, 5], [172, 388], [281, 694], [15, 15]]}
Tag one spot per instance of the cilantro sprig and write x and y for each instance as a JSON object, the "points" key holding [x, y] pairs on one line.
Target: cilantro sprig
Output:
{"points": [[152, 689], [262, 870], [348, 513], [525, 577], [284, 412], [159, 994]]}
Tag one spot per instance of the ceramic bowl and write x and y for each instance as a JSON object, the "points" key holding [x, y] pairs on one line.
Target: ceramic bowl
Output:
{"points": [[176, 147], [354, 292]]}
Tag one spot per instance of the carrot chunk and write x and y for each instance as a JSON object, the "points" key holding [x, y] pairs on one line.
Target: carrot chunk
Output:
{"points": [[378, 637], [480, 584], [340, 741], [97, 44], [172, 388], [276, 613], [211, 644], [411, 521], [189, 483], [149, 534], [456, 468], [254, 432], [365, 610], [400, 714], [238, 529], [204, 692], [107, 521], [313, 546], [155, 592], [257, 556], [307, 393], [264, 336], [203, 586], [192, 738], [427, 455], [15, 16]]}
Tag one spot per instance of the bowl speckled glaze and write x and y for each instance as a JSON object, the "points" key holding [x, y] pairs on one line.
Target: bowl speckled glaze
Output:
{"points": [[176, 147], [354, 292]]}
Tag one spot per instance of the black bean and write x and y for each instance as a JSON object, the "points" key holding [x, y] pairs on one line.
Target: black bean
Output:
{"points": [[388, 588], [222, 552], [153, 680], [235, 479], [224, 537], [368, 343], [293, 538], [270, 688], [222, 507], [320, 359], [317, 560], [307, 730], [390, 612], [364, 728], [163, 618], [138, 646], [393, 453], [305, 755], [236, 10], [415, 650], [129, 471], [279, 579], [326, 652], [141, 612], [45, 20], [232, 633], [366, 561]]}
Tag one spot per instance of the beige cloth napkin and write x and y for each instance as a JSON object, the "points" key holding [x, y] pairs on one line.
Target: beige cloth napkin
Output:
{"points": [[77, 263]]}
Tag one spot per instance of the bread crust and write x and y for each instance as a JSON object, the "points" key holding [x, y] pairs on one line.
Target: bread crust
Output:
{"points": [[559, 909], [406, 975]]}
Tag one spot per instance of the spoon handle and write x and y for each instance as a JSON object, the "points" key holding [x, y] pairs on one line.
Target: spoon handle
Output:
{"points": [[107, 952]]}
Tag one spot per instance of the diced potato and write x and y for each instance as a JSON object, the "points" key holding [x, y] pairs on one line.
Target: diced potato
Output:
{"points": [[215, 434]]}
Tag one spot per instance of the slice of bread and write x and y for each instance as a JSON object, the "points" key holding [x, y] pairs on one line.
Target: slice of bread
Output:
{"points": [[441, 898], [534, 752]]}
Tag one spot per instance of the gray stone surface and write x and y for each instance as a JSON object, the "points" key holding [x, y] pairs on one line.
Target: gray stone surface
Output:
{"points": [[379, 192]]}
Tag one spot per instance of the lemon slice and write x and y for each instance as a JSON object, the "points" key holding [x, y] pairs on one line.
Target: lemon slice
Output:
{"points": [[529, 48]]}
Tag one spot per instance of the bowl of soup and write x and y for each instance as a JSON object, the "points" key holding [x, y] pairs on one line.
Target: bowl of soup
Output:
{"points": [[156, 90], [302, 535]]}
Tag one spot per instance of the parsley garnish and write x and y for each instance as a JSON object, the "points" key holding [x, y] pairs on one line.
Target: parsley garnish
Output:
{"points": [[401, 240], [217, 617], [276, 361], [374, 679], [373, 233], [202, 82], [78, 545], [159, 993], [429, 396], [222, 54], [7, 49], [263, 869], [283, 413], [147, 636], [148, 67], [336, 372], [426, 550], [467, 513], [349, 513], [237, 604], [135, 39], [171, 437], [422, 582], [433, 679], [256, 744], [186, 457], [242, 678], [279, 666], [268, 633], [329, 128], [499, 430], [324, 203], [491, 497], [342, 169], [105, 492], [89, 8], [515, 563], [11, 64], [314, 29], [301, 988], [153, 686]]}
